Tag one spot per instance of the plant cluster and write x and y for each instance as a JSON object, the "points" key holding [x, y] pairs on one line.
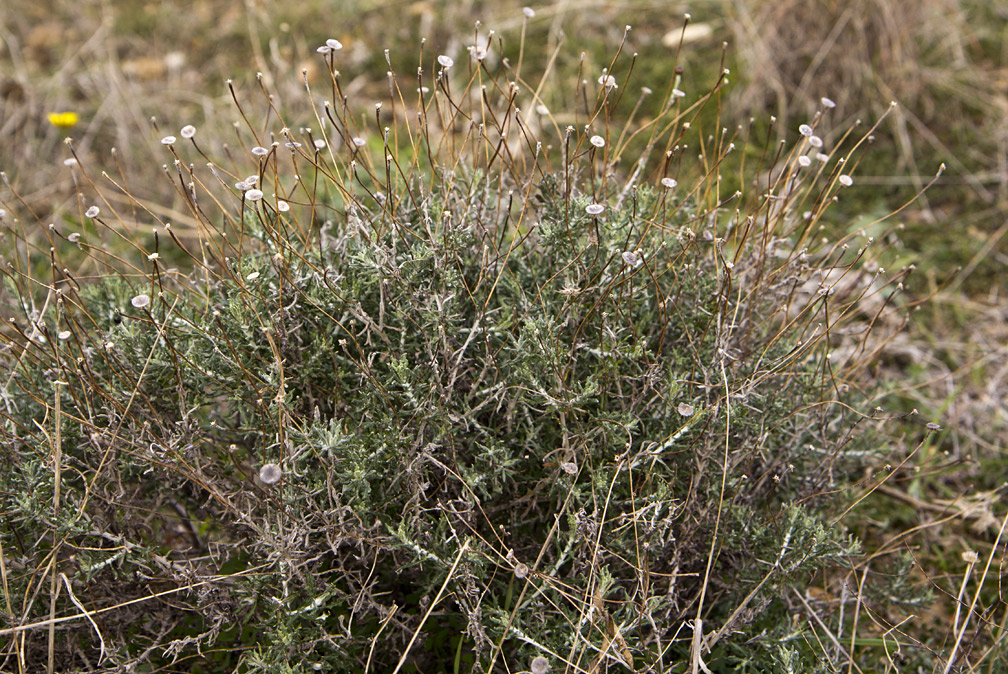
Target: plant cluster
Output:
{"points": [[442, 383]]}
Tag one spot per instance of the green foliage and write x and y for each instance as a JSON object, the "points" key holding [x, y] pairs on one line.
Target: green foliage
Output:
{"points": [[507, 427]]}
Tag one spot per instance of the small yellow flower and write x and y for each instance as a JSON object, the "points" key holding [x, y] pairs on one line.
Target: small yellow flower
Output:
{"points": [[63, 120]]}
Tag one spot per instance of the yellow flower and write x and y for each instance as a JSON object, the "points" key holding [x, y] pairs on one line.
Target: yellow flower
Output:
{"points": [[63, 120]]}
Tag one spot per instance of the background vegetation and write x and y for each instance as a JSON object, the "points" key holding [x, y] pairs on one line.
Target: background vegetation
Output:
{"points": [[903, 534]]}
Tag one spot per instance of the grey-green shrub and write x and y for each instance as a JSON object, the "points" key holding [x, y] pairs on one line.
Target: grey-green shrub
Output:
{"points": [[483, 390]]}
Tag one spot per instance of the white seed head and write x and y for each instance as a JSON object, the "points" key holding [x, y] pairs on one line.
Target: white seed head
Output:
{"points": [[63, 334], [822, 156], [804, 161], [846, 180], [252, 276], [445, 61], [251, 180], [270, 473], [323, 49], [242, 185], [168, 140], [283, 206], [597, 141], [260, 151], [74, 238], [140, 301], [678, 93], [631, 258], [685, 409], [815, 141], [569, 467], [521, 570], [669, 182], [608, 81], [827, 102], [805, 130], [334, 45], [528, 12], [540, 665], [318, 143], [594, 209], [92, 212], [70, 162], [188, 131], [970, 556], [359, 142], [254, 195]]}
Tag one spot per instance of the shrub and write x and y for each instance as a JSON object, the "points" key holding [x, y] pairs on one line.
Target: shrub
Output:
{"points": [[457, 388]]}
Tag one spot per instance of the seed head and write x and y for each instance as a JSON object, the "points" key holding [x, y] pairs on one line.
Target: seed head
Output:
{"points": [[92, 212], [685, 409], [804, 161], [254, 195], [597, 141], [445, 61], [270, 473], [283, 206], [815, 141], [168, 140], [521, 570], [70, 162], [827, 102], [669, 182], [805, 130], [678, 93], [631, 258], [528, 12], [260, 151], [334, 45], [140, 301], [540, 665], [594, 209], [846, 180], [188, 131], [63, 334]]}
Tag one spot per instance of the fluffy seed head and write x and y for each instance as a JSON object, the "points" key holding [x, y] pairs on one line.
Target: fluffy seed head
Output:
{"points": [[540, 665], [594, 209], [805, 130], [528, 12], [92, 212], [70, 162], [270, 473], [804, 161], [260, 151], [283, 206], [254, 195], [669, 182], [445, 61], [521, 570], [168, 140], [597, 141], [846, 180], [815, 141], [685, 409], [334, 45], [827, 102], [188, 131], [140, 301]]}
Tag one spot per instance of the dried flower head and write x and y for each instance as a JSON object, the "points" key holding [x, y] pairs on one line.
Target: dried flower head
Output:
{"points": [[594, 209], [846, 180], [804, 161], [528, 12], [74, 237], [569, 467], [188, 131], [168, 140], [597, 141], [260, 151], [521, 570], [540, 665], [63, 334], [805, 130], [669, 182], [678, 93], [71, 161], [827, 102], [254, 195], [140, 301], [334, 44], [815, 141], [445, 61], [608, 81], [92, 212], [631, 258], [685, 409], [282, 206], [359, 142], [270, 473]]}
